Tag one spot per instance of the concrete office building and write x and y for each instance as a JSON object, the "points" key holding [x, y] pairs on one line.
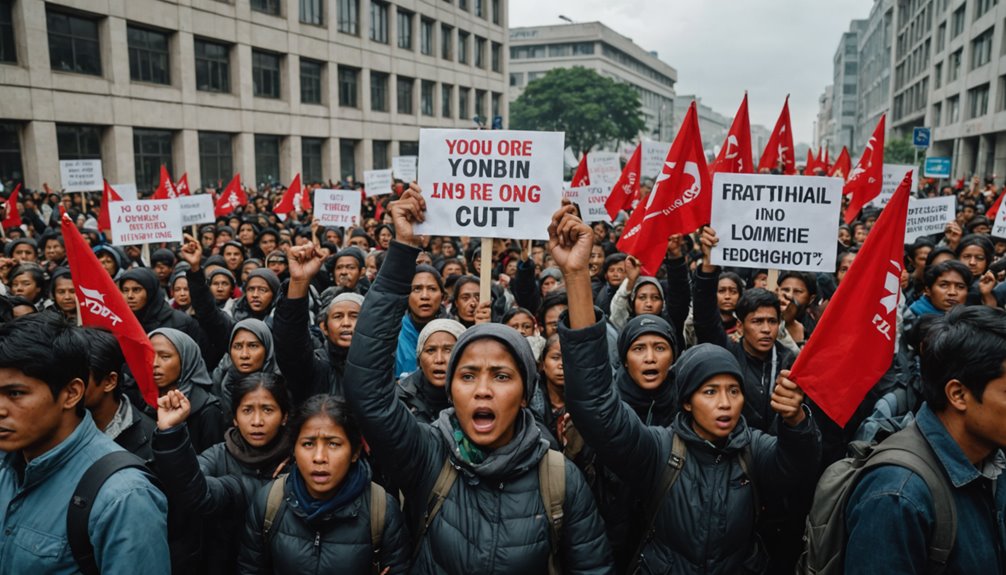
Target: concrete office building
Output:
{"points": [[536, 50], [876, 39], [824, 127], [845, 94], [267, 88]]}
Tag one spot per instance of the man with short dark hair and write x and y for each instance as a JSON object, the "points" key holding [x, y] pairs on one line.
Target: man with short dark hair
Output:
{"points": [[50, 441], [890, 514]]}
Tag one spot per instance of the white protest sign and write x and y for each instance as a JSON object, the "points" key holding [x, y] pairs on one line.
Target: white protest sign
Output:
{"points": [[893, 176], [337, 207], [498, 183], [81, 175], [378, 182], [590, 200], [652, 158], [126, 191], [197, 209], [769, 221], [404, 168], [603, 169], [999, 226], [145, 222], [929, 216]]}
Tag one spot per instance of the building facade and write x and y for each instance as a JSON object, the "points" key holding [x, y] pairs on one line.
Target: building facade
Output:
{"points": [[824, 127], [712, 125], [537, 49], [845, 87], [876, 41], [264, 88]]}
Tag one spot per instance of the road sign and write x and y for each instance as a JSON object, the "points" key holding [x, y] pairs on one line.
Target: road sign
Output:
{"points": [[937, 167], [920, 137]]}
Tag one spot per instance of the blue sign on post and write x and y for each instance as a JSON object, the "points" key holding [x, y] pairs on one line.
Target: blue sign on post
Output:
{"points": [[937, 167], [920, 137]]}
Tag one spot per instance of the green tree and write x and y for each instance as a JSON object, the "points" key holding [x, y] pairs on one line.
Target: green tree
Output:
{"points": [[899, 151], [590, 108]]}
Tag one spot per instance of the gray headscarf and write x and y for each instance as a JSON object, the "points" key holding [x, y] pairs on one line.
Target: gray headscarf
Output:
{"points": [[225, 374], [193, 370]]}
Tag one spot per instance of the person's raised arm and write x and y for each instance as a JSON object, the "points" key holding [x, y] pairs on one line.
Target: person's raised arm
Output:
{"points": [[678, 289], [706, 314], [291, 323], [215, 323]]}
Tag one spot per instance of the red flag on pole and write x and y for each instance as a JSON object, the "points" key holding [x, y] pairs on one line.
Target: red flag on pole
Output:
{"points": [[182, 186], [680, 202], [232, 197], [860, 323], [13, 215], [581, 177], [107, 197], [808, 169], [780, 145], [735, 155], [842, 165], [822, 159], [305, 200], [287, 203], [102, 305], [867, 178], [626, 188], [991, 214], [165, 190]]}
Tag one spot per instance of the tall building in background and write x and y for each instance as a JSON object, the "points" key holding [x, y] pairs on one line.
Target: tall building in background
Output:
{"points": [[824, 128], [845, 94], [712, 125], [874, 92], [267, 88]]}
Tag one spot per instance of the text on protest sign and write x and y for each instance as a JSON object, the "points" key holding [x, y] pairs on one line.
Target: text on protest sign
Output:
{"points": [[590, 199], [197, 209], [603, 169], [893, 175], [404, 168], [378, 182], [768, 221], [337, 207], [81, 175], [999, 226], [652, 158], [929, 216], [145, 222], [503, 184]]}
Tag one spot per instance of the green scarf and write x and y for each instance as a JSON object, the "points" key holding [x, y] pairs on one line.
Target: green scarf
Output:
{"points": [[470, 452]]}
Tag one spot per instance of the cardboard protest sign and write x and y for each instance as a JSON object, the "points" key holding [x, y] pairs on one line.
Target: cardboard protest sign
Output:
{"points": [[590, 200], [145, 222], [499, 183], [604, 169], [378, 182], [404, 168], [337, 207], [197, 209], [126, 191], [929, 216], [770, 221], [654, 154], [81, 175], [999, 226], [893, 174]]}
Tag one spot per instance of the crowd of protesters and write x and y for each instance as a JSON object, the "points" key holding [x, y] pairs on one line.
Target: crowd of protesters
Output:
{"points": [[343, 400]]}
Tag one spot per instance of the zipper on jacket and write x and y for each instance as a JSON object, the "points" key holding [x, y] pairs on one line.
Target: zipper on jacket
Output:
{"points": [[317, 544]]}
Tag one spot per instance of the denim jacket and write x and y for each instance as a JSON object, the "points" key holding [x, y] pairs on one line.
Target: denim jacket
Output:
{"points": [[890, 514], [128, 522]]}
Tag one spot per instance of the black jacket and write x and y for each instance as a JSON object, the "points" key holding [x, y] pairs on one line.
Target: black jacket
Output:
{"points": [[423, 399], [206, 420], [215, 322], [308, 371], [136, 437], [493, 521]]}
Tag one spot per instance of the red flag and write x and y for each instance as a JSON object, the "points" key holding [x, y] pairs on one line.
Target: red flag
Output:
{"points": [[842, 165], [107, 197], [232, 197], [991, 214], [581, 177], [679, 203], [305, 200], [860, 323], [287, 203], [165, 190], [102, 305], [735, 155], [780, 145], [822, 159], [867, 178], [13, 217], [182, 186], [808, 169], [626, 188]]}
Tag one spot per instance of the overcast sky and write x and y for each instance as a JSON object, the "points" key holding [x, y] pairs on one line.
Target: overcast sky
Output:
{"points": [[722, 47]]}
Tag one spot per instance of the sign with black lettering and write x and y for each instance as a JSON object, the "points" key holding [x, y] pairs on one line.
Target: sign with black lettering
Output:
{"points": [[145, 222], [197, 209], [378, 182], [499, 183], [929, 216], [80, 175], [783, 222], [337, 207], [590, 199]]}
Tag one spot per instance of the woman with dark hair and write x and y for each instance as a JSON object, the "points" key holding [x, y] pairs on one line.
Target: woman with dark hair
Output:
{"points": [[465, 300], [63, 294], [145, 298], [383, 235], [28, 280], [977, 253]]}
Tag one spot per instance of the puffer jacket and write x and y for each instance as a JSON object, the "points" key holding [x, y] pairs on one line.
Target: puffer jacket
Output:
{"points": [[706, 523], [308, 371], [423, 399], [493, 519]]}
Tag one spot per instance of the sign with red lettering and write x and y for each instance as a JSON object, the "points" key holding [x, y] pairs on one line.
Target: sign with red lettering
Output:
{"points": [[590, 199], [337, 207], [145, 222], [498, 183]]}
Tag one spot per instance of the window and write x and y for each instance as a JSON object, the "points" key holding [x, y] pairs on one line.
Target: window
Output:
{"points": [[426, 91], [497, 104], [446, 42], [381, 149], [462, 47], [480, 52], [148, 55], [981, 49], [978, 101], [954, 65], [311, 12], [347, 157], [495, 59], [267, 158], [76, 142], [559, 50], [938, 75], [378, 91], [404, 29], [583, 48], [216, 161], [213, 69], [379, 22], [496, 11], [446, 95], [937, 112], [953, 110], [517, 79], [265, 74], [462, 103], [941, 36], [349, 17], [463, 4], [426, 37], [408, 148], [267, 6], [349, 87], [404, 95], [151, 150], [310, 81], [8, 50], [311, 159], [480, 8], [10, 152], [480, 103], [983, 6], [957, 22], [73, 43]]}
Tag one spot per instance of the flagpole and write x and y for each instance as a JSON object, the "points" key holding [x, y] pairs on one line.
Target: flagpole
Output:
{"points": [[773, 279], [485, 278]]}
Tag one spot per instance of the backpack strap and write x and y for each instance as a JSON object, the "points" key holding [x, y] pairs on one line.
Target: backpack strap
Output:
{"points": [[442, 486], [746, 461], [552, 483], [378, 511], [78, 513], [273, 503], [675, 463]]}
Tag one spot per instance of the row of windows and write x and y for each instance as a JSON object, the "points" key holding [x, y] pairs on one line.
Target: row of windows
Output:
{"points": [[313, 11]]}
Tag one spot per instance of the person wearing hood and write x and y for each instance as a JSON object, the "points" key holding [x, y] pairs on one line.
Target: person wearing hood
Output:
{"points": [[163, 261], [22, 250], [346, 269], [234, 255], [63, 294], [704, 521], [143, 294], [424, 306], [424, 390], [489, 437], [250, 350], [612, 272], [178, 286], [223, 286], [113, 259]]}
